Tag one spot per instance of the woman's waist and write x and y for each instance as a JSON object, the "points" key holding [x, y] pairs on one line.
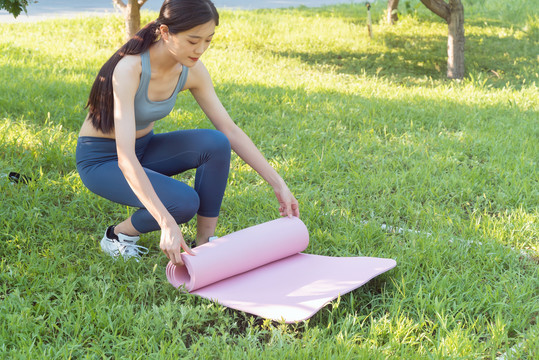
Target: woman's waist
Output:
{"points": [[96, 148], [88, 131]]}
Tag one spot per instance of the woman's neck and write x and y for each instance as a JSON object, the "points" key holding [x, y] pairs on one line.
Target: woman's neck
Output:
{"points": [[161, 59]]}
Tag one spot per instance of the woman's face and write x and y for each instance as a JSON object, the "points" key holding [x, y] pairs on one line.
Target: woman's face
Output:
{"points": [[187, 46]]}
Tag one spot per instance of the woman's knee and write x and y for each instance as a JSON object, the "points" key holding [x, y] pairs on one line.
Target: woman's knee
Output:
{"points": [[183, 205], [218, 142]]}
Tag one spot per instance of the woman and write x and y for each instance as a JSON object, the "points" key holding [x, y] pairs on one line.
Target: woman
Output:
{"points": [[120, 158]]}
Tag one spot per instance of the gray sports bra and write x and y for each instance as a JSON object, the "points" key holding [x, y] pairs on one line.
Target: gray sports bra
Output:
{"points": [[147, 111]]}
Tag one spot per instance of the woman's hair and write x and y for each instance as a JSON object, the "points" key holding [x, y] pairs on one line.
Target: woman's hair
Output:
{"points": [[179, 16]]}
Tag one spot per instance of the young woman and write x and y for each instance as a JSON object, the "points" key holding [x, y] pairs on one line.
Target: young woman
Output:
{"points": [[120, 158]]}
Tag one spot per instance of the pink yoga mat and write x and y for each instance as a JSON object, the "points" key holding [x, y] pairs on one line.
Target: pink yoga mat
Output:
{"points": [[261, 270]]}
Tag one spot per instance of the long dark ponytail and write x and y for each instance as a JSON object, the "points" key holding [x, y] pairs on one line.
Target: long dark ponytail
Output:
{"points": [[179, 16]]}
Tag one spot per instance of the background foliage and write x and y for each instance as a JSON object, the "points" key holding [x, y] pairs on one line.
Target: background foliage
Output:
{"points": [[15, 7]]}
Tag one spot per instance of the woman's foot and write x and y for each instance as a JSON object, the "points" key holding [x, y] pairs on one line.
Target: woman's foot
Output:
{"points": [[121, 244]]}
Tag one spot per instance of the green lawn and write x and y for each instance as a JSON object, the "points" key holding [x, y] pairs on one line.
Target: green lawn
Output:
{"points": [[369, 135]]}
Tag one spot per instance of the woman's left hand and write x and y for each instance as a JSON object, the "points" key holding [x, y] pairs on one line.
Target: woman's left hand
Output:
{"points": [[288, 205]]}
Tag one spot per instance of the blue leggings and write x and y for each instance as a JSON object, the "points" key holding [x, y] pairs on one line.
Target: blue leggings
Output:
{"points": [[161, 156]]}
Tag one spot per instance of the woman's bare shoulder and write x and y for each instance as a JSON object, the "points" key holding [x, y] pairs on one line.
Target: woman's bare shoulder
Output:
{"points": [[129, 64], [198, 76]]}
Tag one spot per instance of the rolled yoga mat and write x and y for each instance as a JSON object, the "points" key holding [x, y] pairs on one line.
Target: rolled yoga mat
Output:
{"points": [[261, 270]]}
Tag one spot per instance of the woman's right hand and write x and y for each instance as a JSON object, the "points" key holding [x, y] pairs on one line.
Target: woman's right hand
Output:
{"points": [[172, 243]]}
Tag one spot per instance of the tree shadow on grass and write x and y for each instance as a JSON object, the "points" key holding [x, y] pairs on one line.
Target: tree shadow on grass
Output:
{"points": [[408, 59], [504, 60], [506, 57], [402, 60]]}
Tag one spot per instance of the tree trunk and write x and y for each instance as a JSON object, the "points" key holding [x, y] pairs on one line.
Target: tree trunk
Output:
{"points": [[131, 12], [453, 14], [392, 15], [455, 41], [132, 18]]}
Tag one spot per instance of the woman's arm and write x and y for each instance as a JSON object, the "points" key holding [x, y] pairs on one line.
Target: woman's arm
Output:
{"points": [[200, 85], [125, 82]]}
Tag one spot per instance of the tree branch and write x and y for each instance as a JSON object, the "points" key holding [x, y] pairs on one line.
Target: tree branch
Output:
{"points": [[119, 4], [439, 7], [141, 2]]}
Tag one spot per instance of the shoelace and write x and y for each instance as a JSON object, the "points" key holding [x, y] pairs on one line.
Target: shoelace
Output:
{"points": [[130, 250]]}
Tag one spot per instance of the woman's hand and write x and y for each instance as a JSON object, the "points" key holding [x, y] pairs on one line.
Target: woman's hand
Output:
{"points": [[288, 205], [172, 243]]}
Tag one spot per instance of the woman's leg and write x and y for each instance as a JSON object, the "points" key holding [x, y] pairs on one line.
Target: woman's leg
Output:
{"points": [[126, 227], [206, 150], [162, 155], [97, 164], [108, 181], [205, 228]]}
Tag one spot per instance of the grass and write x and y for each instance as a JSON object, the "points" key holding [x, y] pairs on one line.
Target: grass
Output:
{"points": [[366, 133]]}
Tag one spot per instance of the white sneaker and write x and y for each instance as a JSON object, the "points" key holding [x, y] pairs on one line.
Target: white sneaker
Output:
{"points": [[121, 244]]}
